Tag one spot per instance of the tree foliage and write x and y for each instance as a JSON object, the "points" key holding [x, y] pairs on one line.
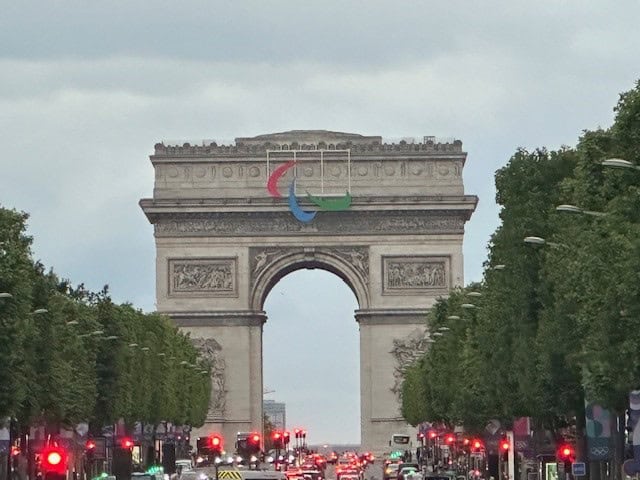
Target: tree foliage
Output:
{"points": [[553, 324], [71, 355]]}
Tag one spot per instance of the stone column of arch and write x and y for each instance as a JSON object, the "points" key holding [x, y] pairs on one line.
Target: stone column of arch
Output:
{"points": [[222, 243]]}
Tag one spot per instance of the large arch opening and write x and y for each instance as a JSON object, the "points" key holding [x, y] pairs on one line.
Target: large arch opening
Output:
{"points": [[311, 354]]}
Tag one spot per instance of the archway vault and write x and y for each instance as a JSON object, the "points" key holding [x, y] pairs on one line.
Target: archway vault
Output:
{"points": [[348, 263], [223, 241]]}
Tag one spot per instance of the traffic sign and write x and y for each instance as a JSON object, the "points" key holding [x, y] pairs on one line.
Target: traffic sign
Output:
{"points": [[579, 469]]}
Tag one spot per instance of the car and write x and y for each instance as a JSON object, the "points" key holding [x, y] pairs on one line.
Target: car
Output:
{"points": [[405, 472], [390, 471]]}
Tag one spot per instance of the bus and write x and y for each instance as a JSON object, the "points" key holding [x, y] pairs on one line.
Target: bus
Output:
{"points": [[400, 440]]}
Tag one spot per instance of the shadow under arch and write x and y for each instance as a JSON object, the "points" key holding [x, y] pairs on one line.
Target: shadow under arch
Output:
{"points": [[289, 263]]}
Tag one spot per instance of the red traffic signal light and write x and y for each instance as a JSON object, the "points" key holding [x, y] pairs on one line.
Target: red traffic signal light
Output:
{"points": [[432, 435], [216, 441], [126, 443], [255, 438], [477, 444], [54, 459], [504, 445], [286, 436], [449, 439], [90, 445], [276, 435], [15, 451], [566, 452]]}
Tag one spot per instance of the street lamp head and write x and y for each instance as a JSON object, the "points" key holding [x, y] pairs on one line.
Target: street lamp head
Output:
{"points": [[72, 322], [468, 305], [453, 317], [40, 311], [569, 209], [499, 267], [97, 332], [5, 295], [474, 294], [444, 329], [535, 240], [437, 334], [111, 337], [133, 345], [574, 209], [619, 163]]}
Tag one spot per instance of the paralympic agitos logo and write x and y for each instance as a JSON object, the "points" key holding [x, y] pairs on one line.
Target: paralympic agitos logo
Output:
{"points": [[330, 204]]}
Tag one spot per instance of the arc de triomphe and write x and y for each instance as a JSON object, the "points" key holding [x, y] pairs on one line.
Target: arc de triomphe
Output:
{"points": [[226, 233]]}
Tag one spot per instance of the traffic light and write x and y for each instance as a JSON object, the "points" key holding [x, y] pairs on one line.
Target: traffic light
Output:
{"points": [[278, 440], [504, 449], [54, 463], [90, 449], [286, 438], [432, 434], [476, 445], [215, 445], [449, 439], [253, 443], [126, 443], [567, 454]]}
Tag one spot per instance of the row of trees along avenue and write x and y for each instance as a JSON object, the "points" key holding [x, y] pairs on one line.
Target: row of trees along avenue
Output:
{"points": [[554, 321], [71, 356]]}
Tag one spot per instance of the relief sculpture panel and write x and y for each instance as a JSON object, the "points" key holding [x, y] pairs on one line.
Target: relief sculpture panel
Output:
{"points": [[203, 277], [211, 352], [414, 275]]}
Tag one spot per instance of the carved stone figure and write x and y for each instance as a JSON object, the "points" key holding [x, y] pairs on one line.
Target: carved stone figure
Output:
{"points": [[358, 257], [260, 260], [406, 351], [211, 351]]}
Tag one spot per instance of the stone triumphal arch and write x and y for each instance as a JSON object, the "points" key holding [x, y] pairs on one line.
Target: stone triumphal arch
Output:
{"points": [[231, 220]]}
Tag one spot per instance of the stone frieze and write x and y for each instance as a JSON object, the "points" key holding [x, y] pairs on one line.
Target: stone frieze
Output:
{"points": [[279, 223]]}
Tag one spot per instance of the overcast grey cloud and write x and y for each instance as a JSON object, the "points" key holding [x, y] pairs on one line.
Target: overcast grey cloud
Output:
{"points": [[87, 89]]}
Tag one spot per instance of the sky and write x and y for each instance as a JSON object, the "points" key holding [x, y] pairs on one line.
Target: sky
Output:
{"points": [[87, 89]]}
